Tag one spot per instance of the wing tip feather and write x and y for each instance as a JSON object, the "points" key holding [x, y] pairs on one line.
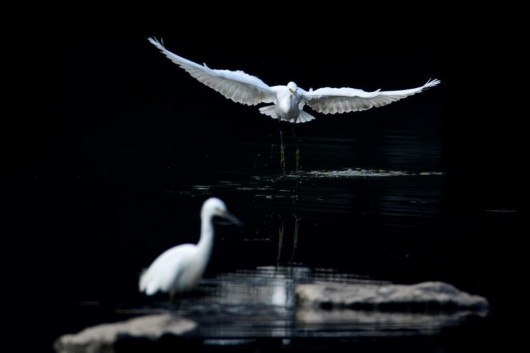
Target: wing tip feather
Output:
{"points": [[432, 83]]}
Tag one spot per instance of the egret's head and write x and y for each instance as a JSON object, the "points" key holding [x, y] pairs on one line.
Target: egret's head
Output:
{"points": [[292, 87], [215, 207]]}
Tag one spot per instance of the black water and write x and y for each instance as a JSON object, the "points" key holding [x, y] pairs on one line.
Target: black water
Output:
{"points": [[401, 194]]}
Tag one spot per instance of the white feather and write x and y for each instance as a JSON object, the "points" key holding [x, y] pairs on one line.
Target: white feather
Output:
{"points": [[344, 100], [166, 270], [235, 85]]}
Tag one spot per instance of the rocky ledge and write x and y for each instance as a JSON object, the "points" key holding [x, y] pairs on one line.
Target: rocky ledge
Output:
{"points": [[104, 338], [426, 296]]}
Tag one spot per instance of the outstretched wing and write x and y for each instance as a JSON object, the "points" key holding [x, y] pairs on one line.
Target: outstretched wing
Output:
{"points": [[343, 100], [235, 85]]}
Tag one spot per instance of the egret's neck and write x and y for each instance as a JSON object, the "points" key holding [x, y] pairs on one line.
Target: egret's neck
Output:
{"points": [[206, 241]]}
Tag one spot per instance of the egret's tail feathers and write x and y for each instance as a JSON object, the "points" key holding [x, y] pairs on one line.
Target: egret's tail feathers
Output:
{"points": [[269, 110], [304, 117], [145, 284]]}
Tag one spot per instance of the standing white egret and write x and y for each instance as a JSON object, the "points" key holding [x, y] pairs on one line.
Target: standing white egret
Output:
{"points": [[180, 268], [287, 101]]}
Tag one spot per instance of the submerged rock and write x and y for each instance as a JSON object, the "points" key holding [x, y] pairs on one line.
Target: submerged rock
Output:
{"points": [[426, 296], [103, 338]]}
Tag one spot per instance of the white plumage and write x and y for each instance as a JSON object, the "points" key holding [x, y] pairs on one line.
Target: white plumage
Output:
{"points": [[287, 101], [180, 268]]}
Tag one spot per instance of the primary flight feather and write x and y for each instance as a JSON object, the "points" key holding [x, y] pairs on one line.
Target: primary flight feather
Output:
{"points": [[287, 101]]}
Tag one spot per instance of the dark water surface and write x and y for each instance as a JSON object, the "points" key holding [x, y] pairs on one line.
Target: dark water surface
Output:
{"points": [[352, 226], [397, 194], [358, 225]]}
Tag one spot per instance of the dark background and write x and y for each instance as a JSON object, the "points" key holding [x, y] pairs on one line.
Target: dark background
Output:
{"points": [[108, 122]]}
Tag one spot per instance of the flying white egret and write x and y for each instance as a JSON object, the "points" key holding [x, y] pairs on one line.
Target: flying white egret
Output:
{"points": [[287, 101], [180, 268]]}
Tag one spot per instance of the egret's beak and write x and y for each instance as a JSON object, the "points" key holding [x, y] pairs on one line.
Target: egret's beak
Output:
{"points": [[231, 218]]}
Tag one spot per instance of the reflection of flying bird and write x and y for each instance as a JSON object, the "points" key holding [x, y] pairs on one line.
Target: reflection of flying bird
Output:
{"points": [[180, 268], [287, 101]]}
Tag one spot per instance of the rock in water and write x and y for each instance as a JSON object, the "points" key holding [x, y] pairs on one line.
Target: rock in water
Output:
{"points": [[426, 296], [102, 338]]}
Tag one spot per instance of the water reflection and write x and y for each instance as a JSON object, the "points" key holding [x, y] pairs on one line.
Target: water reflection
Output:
{"points": [[328, 194], [286, 240], [319, 210], [262, 303]]}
